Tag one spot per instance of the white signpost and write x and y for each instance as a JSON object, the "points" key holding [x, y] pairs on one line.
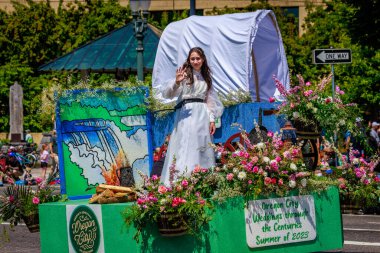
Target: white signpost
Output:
{"points": [[280, 221]]}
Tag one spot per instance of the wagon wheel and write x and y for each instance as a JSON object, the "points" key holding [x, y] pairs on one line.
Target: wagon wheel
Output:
{"points": [[310, 153], [229, 145]]}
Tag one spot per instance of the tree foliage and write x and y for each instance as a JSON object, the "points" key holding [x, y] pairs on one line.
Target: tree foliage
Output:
{"points": [[34, 34]]}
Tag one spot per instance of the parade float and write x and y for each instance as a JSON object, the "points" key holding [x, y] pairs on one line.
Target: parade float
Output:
{"points": [[256, 201]]}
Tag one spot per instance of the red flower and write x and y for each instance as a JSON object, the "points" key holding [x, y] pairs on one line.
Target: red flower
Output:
{"points": [[177, 201]]}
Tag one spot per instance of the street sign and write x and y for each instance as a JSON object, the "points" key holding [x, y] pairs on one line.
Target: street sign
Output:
{"points": [[331, 56]]}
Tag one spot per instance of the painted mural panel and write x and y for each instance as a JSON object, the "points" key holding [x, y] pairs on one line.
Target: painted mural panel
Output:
{"points": [[100, 131]]}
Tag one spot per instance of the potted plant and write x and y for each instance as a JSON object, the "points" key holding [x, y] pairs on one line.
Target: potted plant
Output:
{"points": [[310, 107], [20, 203], [177, 208], [359, 184]]}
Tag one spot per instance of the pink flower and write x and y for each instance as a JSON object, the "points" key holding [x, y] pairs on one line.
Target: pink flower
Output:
{"points": [[155, 177], [250, 181], [274, 164], [141, 201], [273, 181], [36, 200], [307, 83], [11, 198], [278, 159], [230, 176], [280, 181], [308, 93], [272, 99], [204, 170], [162, 189], [184, 183], [328, 100], [255, 169], [267, 180], [177, 201], [377, 179], [197, 169], [254, 159], [270, 134], [201, 201], [291, 105]]}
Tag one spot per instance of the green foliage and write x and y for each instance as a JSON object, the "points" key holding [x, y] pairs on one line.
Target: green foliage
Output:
{"points": [[34, 33]]}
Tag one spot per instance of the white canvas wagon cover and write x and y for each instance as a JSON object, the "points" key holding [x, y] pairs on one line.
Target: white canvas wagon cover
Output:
{"points": [[244, 51]]}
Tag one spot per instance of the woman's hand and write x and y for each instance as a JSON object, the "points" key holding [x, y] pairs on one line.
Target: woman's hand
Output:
{"points": [[180, 75], [212, 128]]}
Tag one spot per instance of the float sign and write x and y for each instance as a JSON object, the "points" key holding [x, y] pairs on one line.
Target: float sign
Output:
{"points": [[84, 226], [280, 221], [331, 56]]}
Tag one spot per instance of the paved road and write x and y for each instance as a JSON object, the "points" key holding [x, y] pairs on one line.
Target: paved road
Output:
{"points": [[361, 234]]}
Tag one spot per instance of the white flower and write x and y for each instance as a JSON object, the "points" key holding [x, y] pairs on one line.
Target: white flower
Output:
{"points": [[293, 166], [265, 173], [235, 170], [303, 182], [266, 159], [355, 161], [309, 105], [292, 183], [242, 175], [260, 145], [296, 115], [315, 110], [163, 201], [342, 122]]}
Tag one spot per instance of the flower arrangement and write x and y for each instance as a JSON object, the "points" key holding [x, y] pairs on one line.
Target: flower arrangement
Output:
{"points": [[266, 168], [20, 201], [181, 198], [358, 182], [309, 106]]}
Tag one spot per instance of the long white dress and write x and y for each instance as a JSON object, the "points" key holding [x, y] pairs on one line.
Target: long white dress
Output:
{"points": [[190, 139]]}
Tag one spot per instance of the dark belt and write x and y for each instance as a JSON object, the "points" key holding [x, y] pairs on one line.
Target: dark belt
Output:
{"points": [[186, 101]]}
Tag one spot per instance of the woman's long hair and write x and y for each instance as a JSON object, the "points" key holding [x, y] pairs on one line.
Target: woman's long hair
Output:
{"points": [[205, 70]]}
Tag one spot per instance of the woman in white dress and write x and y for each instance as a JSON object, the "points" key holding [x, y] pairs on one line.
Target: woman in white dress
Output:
{"points": [[197, 108]]}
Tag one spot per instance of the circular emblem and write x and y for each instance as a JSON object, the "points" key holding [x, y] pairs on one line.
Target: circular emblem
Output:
{"points": [[84, 230]]}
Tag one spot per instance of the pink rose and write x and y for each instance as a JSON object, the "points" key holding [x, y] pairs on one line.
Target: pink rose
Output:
{"points": [[291, 105], [267, 180], [280, 181], [184, 183], [272, 99], [255, 169], [36, 200], [308, 83], [278, 159], [230, 176], [254, 159], [273, 181], [155, 177], [270, 134], [197, 169], [250, 181], [162, 189]]}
